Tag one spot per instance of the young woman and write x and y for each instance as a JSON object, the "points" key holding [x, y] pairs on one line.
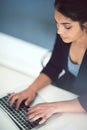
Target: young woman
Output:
{"points": [[69, 54]]}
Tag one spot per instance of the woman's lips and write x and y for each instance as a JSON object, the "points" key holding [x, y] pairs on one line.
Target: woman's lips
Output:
{"points": [[64, 38]]}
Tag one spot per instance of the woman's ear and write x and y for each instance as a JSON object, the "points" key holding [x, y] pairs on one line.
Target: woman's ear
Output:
{"points": [[85, 26]]}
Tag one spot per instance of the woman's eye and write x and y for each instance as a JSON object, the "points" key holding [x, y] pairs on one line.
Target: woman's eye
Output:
{"points": [[68, 27]]}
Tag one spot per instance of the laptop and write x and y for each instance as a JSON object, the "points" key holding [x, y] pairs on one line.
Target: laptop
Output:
{"points": [[15, 120]]}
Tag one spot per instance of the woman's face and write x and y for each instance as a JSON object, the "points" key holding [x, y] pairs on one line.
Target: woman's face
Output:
{"points": [[68, 29]]}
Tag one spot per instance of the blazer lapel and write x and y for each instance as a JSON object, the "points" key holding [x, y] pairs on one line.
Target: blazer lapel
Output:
{"points": [[80, 85]]}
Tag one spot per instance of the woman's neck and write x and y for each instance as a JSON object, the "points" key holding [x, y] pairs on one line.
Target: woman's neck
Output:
{"points": [[81, 42]]}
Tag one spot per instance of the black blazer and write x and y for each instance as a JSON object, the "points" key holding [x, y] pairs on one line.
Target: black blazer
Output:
{"points": [[59, 61]]}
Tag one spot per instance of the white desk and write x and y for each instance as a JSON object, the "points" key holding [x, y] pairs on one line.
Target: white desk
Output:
{"points": [[10, 79]]}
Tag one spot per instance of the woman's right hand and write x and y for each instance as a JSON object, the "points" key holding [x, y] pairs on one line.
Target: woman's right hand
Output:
{"points": [[27, 96]]}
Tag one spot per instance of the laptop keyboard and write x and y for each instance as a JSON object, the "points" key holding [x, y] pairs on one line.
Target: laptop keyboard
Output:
{"points": [[18, 116]]}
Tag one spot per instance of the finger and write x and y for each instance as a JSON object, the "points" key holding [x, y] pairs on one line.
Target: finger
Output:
{"points": [[34, 109], [30, 117], [35, 116], [19, 101], [10, 95], [42, 120], [12, 100], [27, 102], [29, 112]]}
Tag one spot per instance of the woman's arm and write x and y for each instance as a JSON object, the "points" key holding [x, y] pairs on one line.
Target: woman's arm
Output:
{"points": [[69, 106], [46, 110], [41, 81], [29, 94]]}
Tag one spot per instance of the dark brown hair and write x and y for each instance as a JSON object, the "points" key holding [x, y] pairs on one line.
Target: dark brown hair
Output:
{"points": [[74, 9]]}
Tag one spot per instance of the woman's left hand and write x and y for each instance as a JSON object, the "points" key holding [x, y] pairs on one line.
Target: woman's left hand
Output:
{"points": [[43, 110]]}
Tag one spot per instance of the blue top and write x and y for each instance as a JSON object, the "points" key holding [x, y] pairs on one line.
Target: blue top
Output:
{"points": [[72, 67]]}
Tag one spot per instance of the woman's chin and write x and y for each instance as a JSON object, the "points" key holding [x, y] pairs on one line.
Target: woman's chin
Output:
{"points": [[66, 41]]}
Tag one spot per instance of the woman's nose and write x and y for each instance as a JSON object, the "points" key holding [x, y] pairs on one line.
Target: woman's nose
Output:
{"points": [[60, 30]]}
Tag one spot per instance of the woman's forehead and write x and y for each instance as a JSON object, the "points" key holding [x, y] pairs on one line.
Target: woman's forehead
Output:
{"points": [[60, 17]]}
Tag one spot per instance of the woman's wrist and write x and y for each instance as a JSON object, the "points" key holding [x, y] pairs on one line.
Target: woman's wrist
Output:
{"points": [[32, 88], [69, 106]]}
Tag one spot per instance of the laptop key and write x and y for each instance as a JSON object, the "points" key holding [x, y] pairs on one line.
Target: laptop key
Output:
{"points": [[18, 116]]}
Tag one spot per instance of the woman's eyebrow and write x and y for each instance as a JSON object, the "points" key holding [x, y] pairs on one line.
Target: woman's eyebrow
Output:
{"points": [[65, 23]]}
